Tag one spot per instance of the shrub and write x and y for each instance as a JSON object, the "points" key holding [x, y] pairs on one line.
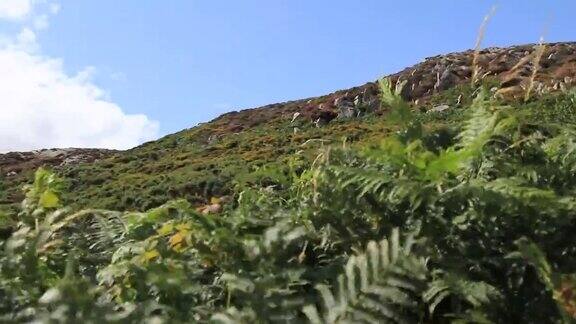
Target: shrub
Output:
{"points": [[472, 223]]}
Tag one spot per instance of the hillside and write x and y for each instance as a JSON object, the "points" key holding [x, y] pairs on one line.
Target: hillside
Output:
{"points": [[441, 194], [237, 148]]}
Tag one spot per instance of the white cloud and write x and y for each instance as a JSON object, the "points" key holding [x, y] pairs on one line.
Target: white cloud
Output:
{"points": [[41, 106], [15, 9]]}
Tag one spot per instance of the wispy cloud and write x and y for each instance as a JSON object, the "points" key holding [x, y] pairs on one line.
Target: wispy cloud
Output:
{"points": [[42, 106]]}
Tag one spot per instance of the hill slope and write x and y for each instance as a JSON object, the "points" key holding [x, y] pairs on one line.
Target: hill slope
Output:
{"points": [[239, 148], [466, 212]]}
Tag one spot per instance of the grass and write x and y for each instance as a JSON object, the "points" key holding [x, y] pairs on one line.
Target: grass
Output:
{"points": [[184, 165], [462, 214]]}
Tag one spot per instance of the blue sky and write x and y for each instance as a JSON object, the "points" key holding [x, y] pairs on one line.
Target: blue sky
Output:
{"points": [[181, 62]]}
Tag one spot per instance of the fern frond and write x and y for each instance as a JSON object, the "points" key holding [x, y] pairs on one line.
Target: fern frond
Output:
{"points": [[479, 126], [474, 293], [516, 188], [390, 94], [99, 231], [562, 148], [369, 180], [561, 286], [518, 191], [390, 97], [108, 228], [381, 285]]}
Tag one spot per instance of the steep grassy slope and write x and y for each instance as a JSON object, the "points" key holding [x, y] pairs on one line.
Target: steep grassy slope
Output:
{"points": [[238, 148], [448, 209], [470, 222]]}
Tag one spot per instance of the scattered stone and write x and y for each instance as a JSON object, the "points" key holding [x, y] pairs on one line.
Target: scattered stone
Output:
{"points": [[296, 115], [514, 92], [440, 108], [445, 80], [210, 209], [212, 139], [13, 163]]}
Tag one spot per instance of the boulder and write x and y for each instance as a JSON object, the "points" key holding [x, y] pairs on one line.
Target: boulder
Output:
{"points": [[346, 108]]}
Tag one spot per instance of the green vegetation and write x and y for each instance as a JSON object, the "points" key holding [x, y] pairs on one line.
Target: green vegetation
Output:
{"points": [[465, 216], [209, 161]]}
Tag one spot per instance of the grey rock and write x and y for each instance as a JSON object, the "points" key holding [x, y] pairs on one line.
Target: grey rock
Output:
{"points": [[346, 108], [439, 108], [347, 112], [212, 139]]}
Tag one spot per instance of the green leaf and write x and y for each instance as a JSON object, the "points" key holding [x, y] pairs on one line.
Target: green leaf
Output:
{"points": [[49, 199]]}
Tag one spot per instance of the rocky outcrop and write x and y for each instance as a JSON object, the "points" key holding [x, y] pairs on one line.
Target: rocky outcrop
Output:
{"points": [[14, 163], [512, 67]]}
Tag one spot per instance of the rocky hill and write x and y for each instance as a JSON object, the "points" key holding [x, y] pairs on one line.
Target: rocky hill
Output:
{"points": [[14, 163], [510, 67], [239, 148]]}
